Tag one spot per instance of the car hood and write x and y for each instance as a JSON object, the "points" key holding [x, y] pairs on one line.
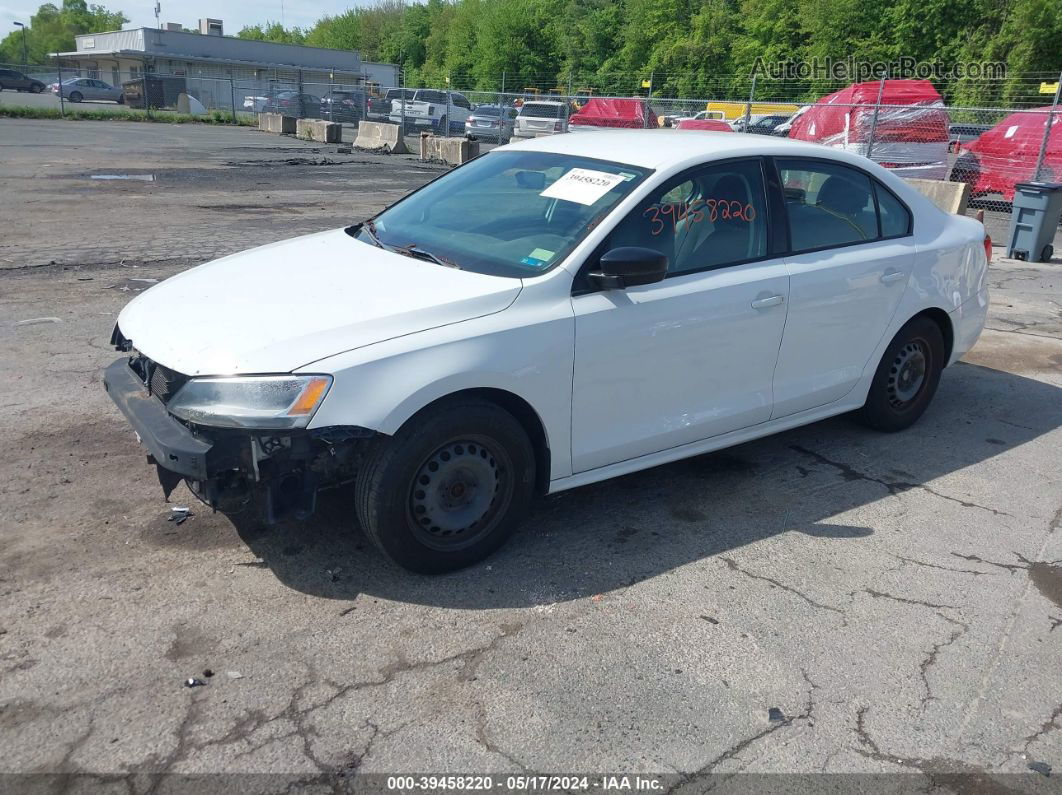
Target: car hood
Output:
{"points": [[279, 307]]}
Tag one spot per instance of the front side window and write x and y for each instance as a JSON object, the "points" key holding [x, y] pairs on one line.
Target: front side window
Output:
{"points": [[704, 219], [827, 204], [512, 214]]}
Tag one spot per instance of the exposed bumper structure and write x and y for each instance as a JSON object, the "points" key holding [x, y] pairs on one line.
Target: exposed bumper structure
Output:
{"points": [[173, 445]]}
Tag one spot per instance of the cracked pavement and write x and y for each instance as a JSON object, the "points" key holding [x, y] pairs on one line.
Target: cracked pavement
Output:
{"points": [[894, 597]]}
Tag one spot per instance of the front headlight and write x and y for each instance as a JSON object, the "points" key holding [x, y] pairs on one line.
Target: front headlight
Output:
{"points": [[254, 401]]}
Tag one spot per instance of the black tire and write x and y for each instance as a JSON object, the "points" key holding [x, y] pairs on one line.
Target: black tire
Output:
{"points": [[1047, 253], [121, 99], [1, 86], [907, 377], [38, 89], [484, 468], [75, 96]]}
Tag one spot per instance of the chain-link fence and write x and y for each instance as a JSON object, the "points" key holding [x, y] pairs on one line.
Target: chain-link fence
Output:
{"points": [[917, 128]]}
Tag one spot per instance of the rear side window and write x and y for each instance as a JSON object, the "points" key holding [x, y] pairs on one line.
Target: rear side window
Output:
{"points": [[895, 217], [827, 204]]}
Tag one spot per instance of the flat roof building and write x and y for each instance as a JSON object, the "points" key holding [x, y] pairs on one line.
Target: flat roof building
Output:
{"points": [[208, 60]]}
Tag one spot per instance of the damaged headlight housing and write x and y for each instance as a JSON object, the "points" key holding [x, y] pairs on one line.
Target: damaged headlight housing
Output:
{"points": [[254, 401]]}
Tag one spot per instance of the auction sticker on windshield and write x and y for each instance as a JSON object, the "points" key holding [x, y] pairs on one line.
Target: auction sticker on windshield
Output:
{"points": [[582, 185]]}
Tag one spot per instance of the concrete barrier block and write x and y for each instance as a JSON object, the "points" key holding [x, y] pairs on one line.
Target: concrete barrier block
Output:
{"points": [[320, 130], [276, 123], [380, 135], [951, 197], [454, 151]]}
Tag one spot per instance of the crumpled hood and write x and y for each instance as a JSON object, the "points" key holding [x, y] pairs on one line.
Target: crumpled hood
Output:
{"points": [[279, 307]]}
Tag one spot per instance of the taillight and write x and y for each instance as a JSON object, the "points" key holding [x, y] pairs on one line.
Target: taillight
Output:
{"points": [[988, 247], [556, 126]]}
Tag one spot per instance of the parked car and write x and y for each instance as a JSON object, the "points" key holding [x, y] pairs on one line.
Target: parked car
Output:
{"points": [[78, 89], [910, 127], [549, 315], [1007, 154], [760, 124], [491, 123], [14, 80], [440, 111], [712, 125], [343, 106], [541, 117], [292, 103], [607, 114], [257, 104], [959, 134], [673, 119], [379, 106]]}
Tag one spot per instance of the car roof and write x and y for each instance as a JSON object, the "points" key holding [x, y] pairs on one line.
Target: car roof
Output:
{"points": [[663, 148]]}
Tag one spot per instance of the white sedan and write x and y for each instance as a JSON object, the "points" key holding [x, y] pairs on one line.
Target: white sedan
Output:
{"points": [[554, 313]]}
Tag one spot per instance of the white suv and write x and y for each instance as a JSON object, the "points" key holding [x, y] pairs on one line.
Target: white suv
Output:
{"points": [[541, 118]]}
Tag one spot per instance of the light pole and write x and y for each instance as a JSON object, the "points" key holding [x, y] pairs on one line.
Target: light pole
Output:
{"points": [[25, 57]]}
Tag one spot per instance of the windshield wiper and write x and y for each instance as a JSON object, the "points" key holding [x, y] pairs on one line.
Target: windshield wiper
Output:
{"points": [[415, 251]]}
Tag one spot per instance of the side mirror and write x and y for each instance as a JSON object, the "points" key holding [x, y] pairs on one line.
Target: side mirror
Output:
{"points": [[629, 266], [535, 180]]}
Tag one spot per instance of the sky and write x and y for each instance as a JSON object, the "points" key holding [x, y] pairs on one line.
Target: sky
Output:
{"points": [[234, 13]]}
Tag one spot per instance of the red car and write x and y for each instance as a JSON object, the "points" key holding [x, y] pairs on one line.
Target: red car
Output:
{"points": [[1007, 153], [715, 125]]}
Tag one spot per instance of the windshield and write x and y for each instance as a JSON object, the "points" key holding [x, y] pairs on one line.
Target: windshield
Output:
{"points": [[514, 214]]}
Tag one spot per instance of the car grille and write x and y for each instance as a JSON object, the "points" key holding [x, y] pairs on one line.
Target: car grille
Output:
{"points": [[162, 382]]}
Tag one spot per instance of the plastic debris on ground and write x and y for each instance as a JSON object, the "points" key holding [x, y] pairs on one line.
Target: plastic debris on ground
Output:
{"points": [[180, 514], [775, 715], [34, 321], [194, 682]]}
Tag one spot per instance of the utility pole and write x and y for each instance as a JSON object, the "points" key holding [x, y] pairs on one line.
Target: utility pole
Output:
{"points": [[25, 56]]}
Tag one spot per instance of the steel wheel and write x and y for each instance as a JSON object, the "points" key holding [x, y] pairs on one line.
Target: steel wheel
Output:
{"points": [[907, 375], [458, 492]]}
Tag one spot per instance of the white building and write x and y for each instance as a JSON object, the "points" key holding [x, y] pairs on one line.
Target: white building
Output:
{"points": [[215, 66]]}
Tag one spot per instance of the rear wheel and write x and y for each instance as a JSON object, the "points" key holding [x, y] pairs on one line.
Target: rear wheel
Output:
{"points": [[906, 378], [447, 489], [121, 99]]}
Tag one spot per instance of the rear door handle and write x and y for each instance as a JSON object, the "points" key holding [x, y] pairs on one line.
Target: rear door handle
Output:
{"points": [[763, 303], [892, 276]]}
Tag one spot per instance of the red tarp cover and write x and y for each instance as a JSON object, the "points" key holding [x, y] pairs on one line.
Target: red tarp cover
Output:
{"points": [[715, 125], [613, 113], [916, 115], [1007, 153]]}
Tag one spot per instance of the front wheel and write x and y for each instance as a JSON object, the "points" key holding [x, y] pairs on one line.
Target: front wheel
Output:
{"points": [[121, 99], [906, 378], [449, 488], [75, 96], [38, 89]]}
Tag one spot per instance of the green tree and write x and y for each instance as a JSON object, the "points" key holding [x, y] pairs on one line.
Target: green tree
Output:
{"points": [[52, 29], [273, 31]]}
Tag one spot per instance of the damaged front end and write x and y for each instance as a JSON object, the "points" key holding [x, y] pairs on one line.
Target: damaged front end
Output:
{"points": [[276, 470]]}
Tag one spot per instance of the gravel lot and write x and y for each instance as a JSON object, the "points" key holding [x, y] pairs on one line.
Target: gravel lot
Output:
{"points": [[896, 598]]}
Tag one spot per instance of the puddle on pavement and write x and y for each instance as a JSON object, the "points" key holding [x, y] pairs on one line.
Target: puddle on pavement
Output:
{"points": [[137, 177], [1047, 578]]}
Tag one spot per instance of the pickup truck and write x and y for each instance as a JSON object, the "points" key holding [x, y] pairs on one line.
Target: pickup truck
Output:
{"points": [[378, 107], [430, 108]]}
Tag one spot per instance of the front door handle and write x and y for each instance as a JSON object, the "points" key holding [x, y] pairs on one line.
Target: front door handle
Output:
{"points": [[772, 300], [888, 277]]}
